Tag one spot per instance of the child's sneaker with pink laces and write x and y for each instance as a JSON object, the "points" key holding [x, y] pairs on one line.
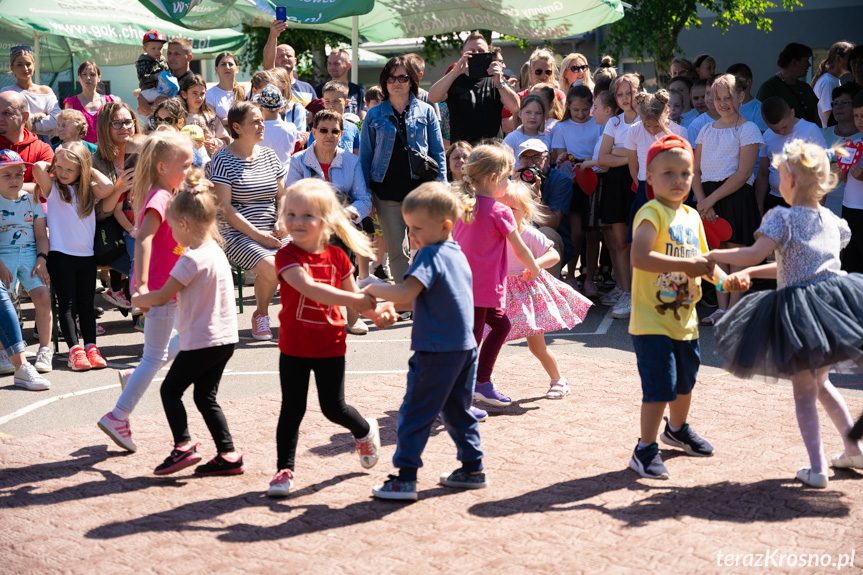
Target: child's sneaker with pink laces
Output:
{"points": [[119, 431], [95, 358], [281, 484], [78, 359], [261, 327], [369, 447]]}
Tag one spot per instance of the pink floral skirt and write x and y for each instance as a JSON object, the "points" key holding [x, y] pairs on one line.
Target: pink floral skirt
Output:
{"points": [[541, 306]]}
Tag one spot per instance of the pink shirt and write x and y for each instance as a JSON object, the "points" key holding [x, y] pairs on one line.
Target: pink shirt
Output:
{"points": [[166, 250], [483, 241], [73, 103]]}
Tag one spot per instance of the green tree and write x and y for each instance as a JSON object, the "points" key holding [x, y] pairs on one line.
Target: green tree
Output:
{"points": [[649, 30]]}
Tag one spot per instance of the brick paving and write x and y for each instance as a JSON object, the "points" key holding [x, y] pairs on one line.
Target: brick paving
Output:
{"points": [[561, 499]]}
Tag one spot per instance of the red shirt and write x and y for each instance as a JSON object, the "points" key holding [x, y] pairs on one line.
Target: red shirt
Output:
{"points": [[306, 327], [326, 170], [31, 149]]}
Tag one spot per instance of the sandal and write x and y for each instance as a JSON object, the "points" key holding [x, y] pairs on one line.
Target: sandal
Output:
{"points": [[713, 318], [558, 390]]}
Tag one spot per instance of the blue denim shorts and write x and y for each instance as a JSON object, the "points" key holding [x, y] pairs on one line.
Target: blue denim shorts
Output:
{"points": [[20, 263], [667, 367]]}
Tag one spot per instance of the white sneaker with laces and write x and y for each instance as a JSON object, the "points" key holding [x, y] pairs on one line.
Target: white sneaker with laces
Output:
{"points": [[369, 281], [623, 307], [44, 360], [281, 484], [6, 367], [27, 377], [611, 297]]}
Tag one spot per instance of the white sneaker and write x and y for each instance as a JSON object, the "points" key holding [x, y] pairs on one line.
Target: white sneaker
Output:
{"points": [[611, 297], [27, 377], [6, 367], [623, 307], [281, 484], [369, 281], [357, 328], [44, 360]]}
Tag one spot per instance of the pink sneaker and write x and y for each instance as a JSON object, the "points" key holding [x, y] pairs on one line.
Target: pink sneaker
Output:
{"points": [[119, 431], [118, 298], [261, 327]]}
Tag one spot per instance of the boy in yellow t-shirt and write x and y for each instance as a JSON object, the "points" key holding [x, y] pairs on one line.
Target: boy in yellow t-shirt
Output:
{"points": [[667, 245]]}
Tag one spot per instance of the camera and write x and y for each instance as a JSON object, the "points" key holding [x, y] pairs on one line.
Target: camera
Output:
{"points": [[529, 175]]}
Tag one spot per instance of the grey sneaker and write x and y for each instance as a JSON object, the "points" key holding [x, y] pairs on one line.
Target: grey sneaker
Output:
{"points": [[623, 307], [687, 440], [27, 377], [464, 480], [611, 297], [6, 367], [44, 360], [648, 463]]}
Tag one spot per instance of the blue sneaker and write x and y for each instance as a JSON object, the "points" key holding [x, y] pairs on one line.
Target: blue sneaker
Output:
{"points": [[687, 440], [461, 479], [395, 488], [647, 462], [480, 414], [487, 393]]}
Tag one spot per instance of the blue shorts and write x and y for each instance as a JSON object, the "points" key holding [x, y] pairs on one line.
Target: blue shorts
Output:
{"points": [[20, 263], [667, 367]]}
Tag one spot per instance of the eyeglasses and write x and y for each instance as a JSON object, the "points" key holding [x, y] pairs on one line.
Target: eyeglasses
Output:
{"points": [[533, 159], [543, 72], [120, 124], [403, 79], [157, 120], [20, 48], [840, 103], [575, 68], [333, 131]]}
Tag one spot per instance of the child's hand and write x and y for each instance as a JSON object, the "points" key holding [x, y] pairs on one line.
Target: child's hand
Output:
{"points": [[124, 181], [386, 315], [5, 275], [698, 266], [738, 281], [136, 301], [41, 270], [527, 275], [365, 303]]}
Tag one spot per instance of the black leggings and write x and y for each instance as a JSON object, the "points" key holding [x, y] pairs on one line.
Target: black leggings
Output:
{"points": [[330, 380], [74, 281], [203, 368]]}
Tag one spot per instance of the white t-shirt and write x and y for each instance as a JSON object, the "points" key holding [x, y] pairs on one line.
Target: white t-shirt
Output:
{"points": [[207, 310], [616, 128], [639, 139], [220, 100], [751, 110], [720, 150], [577, 139], [832, 139], [535, 241], [823, 88], [853, 197], [70, 234], [774, 144], [280, 136], [517, 137]]}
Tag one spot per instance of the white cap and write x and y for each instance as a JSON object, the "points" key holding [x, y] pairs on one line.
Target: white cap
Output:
{"points": [[532, 144]]}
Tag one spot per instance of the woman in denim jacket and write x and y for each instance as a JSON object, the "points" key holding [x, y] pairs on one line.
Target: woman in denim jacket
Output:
{"points": [[384, 159]]}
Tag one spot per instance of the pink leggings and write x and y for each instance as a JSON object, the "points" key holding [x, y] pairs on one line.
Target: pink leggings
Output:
{"points": [[496, 319]]}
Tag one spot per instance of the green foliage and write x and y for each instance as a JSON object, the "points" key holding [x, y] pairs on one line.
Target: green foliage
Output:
{"points": [[649, 30], [304, 42]]}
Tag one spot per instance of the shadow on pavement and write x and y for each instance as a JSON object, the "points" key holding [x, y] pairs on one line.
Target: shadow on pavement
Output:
{"points": [[771, 500]]}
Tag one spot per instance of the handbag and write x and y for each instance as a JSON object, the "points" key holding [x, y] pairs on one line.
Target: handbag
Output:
{"points": [[423, 167], [108, 244]]}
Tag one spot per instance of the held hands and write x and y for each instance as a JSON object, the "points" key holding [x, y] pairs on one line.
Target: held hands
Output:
{"points": [[41, 270], [738, 281], [136, 300], [699, 266], [386, 315], [365, 303]]}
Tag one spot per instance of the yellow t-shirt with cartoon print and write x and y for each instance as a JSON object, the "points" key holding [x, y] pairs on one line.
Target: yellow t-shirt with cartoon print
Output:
{"points": [[664, 304]]}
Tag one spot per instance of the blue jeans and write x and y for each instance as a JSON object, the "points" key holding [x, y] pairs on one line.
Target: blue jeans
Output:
{"points": [[668, 367], [10, 331], [438, 382]]}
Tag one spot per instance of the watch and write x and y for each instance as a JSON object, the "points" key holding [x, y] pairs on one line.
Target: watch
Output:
{"points": [[43, 254]]}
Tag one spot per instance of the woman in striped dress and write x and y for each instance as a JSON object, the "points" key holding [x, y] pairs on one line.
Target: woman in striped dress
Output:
{"points": [[248, 180]]}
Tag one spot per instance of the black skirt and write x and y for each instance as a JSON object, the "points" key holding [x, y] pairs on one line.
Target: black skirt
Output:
{"points": [[741, 211], [592, 216], [796, 328], [617, 196]]}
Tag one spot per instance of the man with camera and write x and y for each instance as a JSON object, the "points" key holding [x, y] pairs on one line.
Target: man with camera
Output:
{"points": [[554, 189]]}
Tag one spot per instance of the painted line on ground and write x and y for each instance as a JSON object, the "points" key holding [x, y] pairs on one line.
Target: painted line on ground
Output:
{"points": [[50, 400]]}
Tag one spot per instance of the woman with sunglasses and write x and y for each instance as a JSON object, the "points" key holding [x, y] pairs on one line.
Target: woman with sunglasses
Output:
{"points": [[541, 70], [401, 118], [168, 113], [41, 101], [575, 70]]}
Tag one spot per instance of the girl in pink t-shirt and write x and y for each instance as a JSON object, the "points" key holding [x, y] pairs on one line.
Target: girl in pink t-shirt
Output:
{"points": [[482, 233], [163, 164]]}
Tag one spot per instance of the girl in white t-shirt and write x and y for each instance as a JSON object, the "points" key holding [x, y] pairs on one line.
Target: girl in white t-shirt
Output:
{"points": [[222, 96], [193, 94], [725, 155], [72, 187], [532, 114], [833, 67], [201, 281]]}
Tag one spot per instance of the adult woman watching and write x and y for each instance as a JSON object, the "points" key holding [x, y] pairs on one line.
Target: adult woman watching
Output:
{"points": [[89, 101], [248, 180], [223, 95], [793, 63], [541, 70], [575, 69], [41, 100], [384, 159], [325, 160]]}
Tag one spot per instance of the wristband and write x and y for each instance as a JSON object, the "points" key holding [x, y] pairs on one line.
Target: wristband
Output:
{"points": [[43, 254], [719, 286]]}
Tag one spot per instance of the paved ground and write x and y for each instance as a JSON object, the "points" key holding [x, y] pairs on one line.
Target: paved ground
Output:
{"points": [[561, 498]]}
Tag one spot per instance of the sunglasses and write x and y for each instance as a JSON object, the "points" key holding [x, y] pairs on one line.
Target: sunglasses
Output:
{"points": [[543, 72], [333, 131], [157, 120], [21, 48], [403, 79], [120, 124], [581, 68]]}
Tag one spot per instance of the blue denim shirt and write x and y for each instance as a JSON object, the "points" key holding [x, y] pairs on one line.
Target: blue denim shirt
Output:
{"points": [[379, 135], [345, 176]]}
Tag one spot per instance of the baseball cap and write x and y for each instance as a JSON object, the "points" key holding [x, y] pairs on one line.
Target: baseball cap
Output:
{"points": [[195, 132], [154, 36], [663, 144], [534, 145], [11, 158], [271, 99]]}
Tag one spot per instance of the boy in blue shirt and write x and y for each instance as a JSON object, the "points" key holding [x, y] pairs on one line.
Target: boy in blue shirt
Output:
{"points": [[442, 371]]}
